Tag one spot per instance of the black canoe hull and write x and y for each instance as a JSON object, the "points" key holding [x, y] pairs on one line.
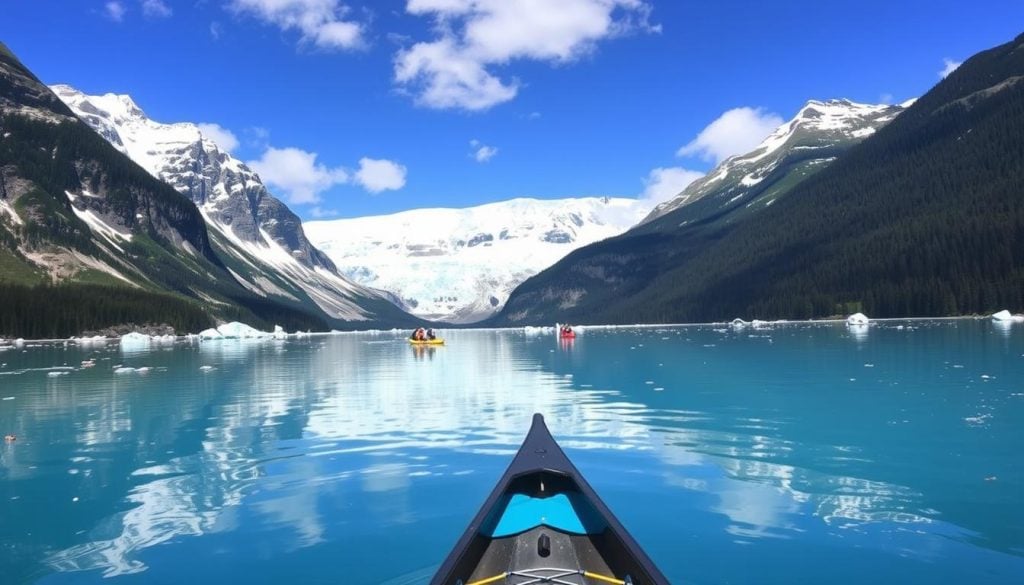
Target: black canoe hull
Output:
{"points": [[601, 552]]}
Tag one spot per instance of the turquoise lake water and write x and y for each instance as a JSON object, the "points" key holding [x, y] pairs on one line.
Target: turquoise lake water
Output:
{"points": [[797, 453]]}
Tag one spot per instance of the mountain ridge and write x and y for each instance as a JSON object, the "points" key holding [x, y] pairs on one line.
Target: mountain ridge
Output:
{"points": [[820, 131], [79, 219], [261, 241], [922, 218]]}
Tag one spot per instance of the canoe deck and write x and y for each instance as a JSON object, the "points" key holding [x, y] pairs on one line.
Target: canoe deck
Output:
{"points": [[519, 555], [543, 523]]}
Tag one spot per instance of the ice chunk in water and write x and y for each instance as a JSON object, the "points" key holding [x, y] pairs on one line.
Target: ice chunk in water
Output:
{"points": [[857, 319], [236, 330], [135, 342]]}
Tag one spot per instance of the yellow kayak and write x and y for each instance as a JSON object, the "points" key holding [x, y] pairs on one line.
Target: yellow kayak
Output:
{"points": [[437, 341]]}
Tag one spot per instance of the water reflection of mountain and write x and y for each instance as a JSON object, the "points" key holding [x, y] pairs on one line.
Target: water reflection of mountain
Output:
{"points": [[177, 450]]}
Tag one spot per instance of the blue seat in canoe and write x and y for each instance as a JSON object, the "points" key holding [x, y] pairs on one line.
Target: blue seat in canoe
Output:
{"points": [[565, 512]]}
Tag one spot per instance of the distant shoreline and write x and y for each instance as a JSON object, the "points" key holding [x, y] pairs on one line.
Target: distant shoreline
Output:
{"points": [[10, 343]]}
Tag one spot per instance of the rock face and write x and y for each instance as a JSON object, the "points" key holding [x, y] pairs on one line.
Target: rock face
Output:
{"points": [[228, 192], [72, 209], [260, 240], [460, 265]]}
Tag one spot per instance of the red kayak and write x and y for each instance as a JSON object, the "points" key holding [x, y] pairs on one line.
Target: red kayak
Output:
{"points": [[569, 335]]}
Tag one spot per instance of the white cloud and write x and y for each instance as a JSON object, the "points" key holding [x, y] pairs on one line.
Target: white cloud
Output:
{"points": [[224, 139], [475, 36], [481, 152], [321, 22], [735, 132], [297, 174], [442, 76], [321, 213], [156, 9], [376, 175], [663, 184], [114, 11], [949, 67]]}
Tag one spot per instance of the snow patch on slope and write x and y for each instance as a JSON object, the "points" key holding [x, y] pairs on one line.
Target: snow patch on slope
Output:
{"points": [[6, 209]]}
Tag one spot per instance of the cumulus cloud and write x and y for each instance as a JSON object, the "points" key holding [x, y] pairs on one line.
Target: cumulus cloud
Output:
{"points": [[663, 184], [481, 152], [114, 11], [456, 70], [321, 22], [224, 139], [155, 9], [297, 174], [376, 175], [735, 132], [949, 66]]}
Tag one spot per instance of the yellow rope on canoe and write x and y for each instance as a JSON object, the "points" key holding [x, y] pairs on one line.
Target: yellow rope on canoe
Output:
{"points": [[489, 579], [590, 575], [586, 574]]}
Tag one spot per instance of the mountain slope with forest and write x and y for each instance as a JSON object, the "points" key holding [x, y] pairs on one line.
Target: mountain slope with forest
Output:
{"points": [[259, 239], [923, 218], [818, 134], [78, 219]]}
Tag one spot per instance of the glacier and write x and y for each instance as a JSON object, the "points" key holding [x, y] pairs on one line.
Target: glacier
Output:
{"points": [[460, 265]]}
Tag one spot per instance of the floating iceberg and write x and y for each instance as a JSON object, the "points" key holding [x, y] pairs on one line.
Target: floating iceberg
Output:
{"points": [[857, 319], [739, 323], [279, 332], [1005, 317], [134, 337], [94, 340], [236, 330], [131, 370], [135, 342]]}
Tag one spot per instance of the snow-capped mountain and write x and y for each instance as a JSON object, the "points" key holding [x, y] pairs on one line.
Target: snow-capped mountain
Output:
{"points": [[460, 265], [261, 241], [804, 145]]}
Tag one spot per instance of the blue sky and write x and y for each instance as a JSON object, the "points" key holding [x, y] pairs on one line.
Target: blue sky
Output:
{"points": [[351, 108]]}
